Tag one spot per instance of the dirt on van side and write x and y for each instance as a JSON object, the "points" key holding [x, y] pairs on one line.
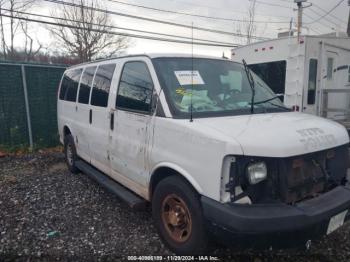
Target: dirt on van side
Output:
{"points": [[47, 214]]}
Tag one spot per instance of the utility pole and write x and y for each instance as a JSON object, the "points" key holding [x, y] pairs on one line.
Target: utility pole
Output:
{"points": [[300, 15], [291, 26]]}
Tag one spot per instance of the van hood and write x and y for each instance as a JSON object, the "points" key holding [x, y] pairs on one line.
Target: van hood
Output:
{"points": [[279, 134]]}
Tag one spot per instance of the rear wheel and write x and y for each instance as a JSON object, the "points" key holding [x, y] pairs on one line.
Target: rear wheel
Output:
{"points": [[177, 213], [70, 153]]}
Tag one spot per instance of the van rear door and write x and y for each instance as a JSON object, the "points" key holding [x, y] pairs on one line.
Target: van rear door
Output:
{"points": [[83, 113], [66, 106], [99, 117]]}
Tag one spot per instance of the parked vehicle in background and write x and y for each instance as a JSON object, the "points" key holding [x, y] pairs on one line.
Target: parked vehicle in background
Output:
{"points": [[209, 145], [312, 73]]}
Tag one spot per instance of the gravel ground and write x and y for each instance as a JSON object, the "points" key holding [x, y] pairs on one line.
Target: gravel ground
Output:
{"points": [[48, 214]]}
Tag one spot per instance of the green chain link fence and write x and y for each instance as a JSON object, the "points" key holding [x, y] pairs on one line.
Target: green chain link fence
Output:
{"points": [[28, 105]]}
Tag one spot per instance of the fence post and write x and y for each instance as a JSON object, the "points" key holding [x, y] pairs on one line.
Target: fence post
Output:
{"points": [[29, 124]]}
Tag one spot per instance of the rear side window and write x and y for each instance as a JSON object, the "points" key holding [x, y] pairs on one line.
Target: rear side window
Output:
{"points": [[64, 86], [312, 82], [135, 88], [69, 86], [102, 84], [86, 84]]}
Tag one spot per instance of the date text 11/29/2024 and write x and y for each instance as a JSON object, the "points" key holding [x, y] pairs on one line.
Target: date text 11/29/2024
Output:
{"points": [[173, 258]]}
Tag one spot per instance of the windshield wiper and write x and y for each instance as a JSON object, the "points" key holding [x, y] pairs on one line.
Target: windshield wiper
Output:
{"points": [[268, 100], [251, 83], [279, 106]]}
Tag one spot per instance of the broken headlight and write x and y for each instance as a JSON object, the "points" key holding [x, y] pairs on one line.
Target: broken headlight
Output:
{"points": [[256, 172]]}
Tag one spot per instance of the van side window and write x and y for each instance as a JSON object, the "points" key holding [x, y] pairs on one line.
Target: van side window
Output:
{"points": [[135, 88], [312, 82], [69, 86], [102, 84], [85, 84]]}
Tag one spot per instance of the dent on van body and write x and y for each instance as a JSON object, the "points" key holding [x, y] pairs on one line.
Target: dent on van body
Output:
{"points": [[192, 146]]}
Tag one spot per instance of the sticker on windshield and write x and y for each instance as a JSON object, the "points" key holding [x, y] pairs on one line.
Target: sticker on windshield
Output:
{"points": [[186, 77], [182, 91]]}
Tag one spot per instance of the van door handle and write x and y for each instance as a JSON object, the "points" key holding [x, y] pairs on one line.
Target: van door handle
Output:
{"points": [[90, 116], [111, 124]]}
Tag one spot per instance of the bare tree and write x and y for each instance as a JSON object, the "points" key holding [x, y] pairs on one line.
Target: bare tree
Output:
{"points": [[28, 43], [250, 27], [2, 31], [83, 32], [9, 30], [348, 29]]}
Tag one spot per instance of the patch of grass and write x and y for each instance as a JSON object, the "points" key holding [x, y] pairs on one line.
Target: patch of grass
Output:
{"points": [[24, 149], [9, 149]]}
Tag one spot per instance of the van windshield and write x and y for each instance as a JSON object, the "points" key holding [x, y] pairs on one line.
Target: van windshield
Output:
{"points": [[219, 88]]}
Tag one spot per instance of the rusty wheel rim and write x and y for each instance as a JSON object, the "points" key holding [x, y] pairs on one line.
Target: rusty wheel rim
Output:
{"points": [[176, 218]]}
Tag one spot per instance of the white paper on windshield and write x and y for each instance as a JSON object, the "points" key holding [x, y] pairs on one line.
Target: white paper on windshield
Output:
{"points": [[186, 77]]}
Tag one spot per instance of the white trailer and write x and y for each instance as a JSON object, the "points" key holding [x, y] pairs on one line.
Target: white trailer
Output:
{"points": [[313, 72]]}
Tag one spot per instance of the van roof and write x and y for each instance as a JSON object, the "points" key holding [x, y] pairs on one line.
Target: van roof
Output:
{"points": [[150, 55]]}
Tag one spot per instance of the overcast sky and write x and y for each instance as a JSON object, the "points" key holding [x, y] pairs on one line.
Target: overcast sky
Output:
{"points": [[267, 13]]}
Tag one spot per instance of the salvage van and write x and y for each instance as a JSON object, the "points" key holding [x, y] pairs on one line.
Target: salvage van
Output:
{"points": [[208, 144]]}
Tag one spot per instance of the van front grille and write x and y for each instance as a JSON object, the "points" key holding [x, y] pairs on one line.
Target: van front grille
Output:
{"points": [[309, 175]]}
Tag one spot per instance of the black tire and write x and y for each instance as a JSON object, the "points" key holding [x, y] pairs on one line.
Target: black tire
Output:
{"points": [[70, 154], [193, 243]]}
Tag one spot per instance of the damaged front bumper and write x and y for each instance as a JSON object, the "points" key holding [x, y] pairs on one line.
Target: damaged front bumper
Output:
{"points": [[278, 225]]}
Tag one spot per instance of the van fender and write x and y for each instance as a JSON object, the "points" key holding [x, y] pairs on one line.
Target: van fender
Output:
{"points": [[181, 171], [70, 129]]}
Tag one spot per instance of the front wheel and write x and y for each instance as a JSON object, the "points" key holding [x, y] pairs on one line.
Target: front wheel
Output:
{"points": [[70, 153], [177, 213]]}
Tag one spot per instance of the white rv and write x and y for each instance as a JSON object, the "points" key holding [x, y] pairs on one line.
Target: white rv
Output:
{"points": [[313, 72]]}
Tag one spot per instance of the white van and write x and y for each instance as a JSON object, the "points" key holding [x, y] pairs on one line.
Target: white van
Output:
{"points": [[188, 135]]}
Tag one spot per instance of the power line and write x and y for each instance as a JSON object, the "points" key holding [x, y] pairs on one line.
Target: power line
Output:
{"points": [[316, 31], [155, 20], [118, 33], [116, 27], [310, 17], [330, 11], [289, 1], [193, 15], [271, 4], [231, 11], [320, 8], [325, 18]]}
